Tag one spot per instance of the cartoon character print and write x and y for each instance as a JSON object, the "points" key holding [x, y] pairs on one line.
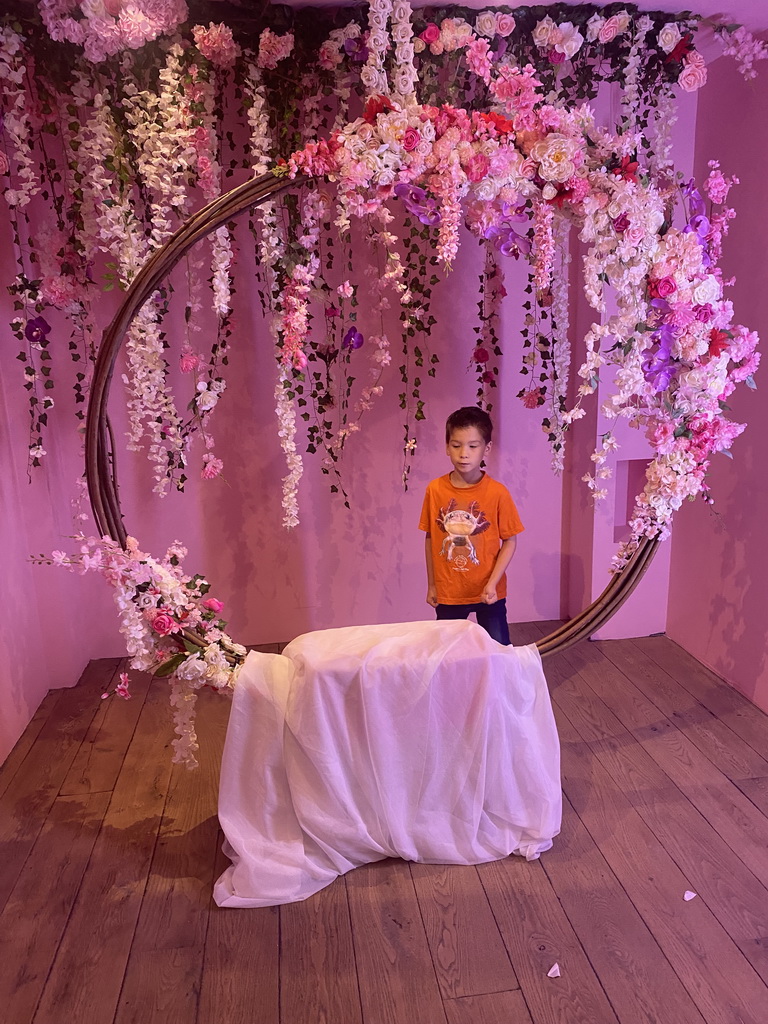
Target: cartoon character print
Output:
{"points": [[459, 525]]}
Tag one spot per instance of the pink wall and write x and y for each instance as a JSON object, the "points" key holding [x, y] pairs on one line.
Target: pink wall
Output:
{"points": [[719, 582]]}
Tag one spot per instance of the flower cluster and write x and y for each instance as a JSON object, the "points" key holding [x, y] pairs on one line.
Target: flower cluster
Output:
{"points": [[104, 27], [172, 627]]}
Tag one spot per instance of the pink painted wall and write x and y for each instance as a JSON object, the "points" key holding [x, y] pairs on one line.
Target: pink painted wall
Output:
{"points": [[719, 582]]}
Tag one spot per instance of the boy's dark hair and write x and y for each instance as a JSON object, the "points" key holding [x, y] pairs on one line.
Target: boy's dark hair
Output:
{"points": [[469, 416]]}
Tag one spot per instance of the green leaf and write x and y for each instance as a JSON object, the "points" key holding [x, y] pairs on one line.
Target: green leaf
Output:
{"points": [[170, 666]]}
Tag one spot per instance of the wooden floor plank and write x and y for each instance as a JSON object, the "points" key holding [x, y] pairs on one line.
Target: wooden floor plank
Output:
{"points": [[115, 924], [732, 892], [318, 975], [735, 758], [103, 920], [639, 980], [394, 967], [730, 813], [27, 740], [240, 981], [496, 1008], [537, 935], [167, 952], [26, 804], [739, 714], [100, 756], [36, 914], [721, 982], [468, 952], [757, 791]]}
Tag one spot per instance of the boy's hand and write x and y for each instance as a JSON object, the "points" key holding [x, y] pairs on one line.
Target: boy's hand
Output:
{"points": [[489, 595], [432, 597]]}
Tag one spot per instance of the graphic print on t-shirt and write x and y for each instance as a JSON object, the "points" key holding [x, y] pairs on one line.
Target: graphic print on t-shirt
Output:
{"points": [[459, 525]]}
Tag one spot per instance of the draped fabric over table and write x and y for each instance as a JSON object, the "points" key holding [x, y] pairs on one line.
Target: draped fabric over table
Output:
{"points": [[427, 741]]}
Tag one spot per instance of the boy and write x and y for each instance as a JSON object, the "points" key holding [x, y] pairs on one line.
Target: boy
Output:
{"points": [[471, 527]]}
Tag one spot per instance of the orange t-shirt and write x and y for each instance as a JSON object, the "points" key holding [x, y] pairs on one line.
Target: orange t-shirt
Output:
{"points": [[466, 527]]}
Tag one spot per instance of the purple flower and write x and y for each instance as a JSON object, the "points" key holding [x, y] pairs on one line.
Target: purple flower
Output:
{"points": [[505, 237], [692, 194], [356, 49], [352, 339], [417, 203], [658, 368], [37, 329]]}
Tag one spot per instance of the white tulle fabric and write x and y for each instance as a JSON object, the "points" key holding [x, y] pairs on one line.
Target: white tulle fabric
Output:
{"points": [[425, 740]]}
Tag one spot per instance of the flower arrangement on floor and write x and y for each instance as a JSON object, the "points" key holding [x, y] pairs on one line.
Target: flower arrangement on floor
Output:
{"points": [[163, 615]]}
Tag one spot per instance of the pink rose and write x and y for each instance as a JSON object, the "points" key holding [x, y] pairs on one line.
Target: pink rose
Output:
{"points": [[213, 605], [505, 24], [662, 287], [164, 624], [481, 355], [477, 167], [609, 30], [411, 139], [430, 34], [692, 77], [4, 165], [555, 57]]}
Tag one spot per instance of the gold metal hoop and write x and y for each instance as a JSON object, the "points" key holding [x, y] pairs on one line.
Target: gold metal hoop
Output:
{"points": [[100, 471]]}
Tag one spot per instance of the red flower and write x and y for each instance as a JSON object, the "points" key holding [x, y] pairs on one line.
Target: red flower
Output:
{"points": [[502, 124], [681, 51], [719, 341], [627, 169], [374, 106]]}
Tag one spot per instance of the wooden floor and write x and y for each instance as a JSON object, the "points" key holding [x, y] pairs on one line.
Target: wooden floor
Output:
{"points": [[108, 858]]}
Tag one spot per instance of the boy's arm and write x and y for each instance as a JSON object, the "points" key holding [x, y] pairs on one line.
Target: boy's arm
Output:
{"points": [[431, 589], [504, 557]]}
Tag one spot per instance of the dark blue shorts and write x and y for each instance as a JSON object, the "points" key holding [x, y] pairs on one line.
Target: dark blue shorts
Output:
{"points": [[492, 617]]}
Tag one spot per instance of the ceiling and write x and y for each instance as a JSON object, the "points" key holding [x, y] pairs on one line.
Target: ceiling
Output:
{"points": [[751, 13]]}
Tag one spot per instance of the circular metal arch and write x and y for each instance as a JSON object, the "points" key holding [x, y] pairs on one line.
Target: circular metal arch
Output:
{"points": [[99, 448]]}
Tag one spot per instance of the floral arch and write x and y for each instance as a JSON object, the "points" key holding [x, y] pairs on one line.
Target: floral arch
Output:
{"points": [[520, 173]]}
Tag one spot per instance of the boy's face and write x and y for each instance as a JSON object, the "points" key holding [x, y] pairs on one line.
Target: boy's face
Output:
{"points": [[466, 449]]}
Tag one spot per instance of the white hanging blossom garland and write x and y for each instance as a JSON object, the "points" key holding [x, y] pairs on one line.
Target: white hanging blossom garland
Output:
{"points": [[17, 127], [630, 96], [561, 342]]}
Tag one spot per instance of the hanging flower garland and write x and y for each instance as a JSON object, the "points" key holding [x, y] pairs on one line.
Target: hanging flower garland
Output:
{"points": [[500, 140]]}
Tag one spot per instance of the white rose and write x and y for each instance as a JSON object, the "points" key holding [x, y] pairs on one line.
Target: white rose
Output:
{"points": [[378, 42], [206, 400], [622, 20], [485, 190], [542, 33], [707, 291], [669, 37], [377, 19], [369, 76], [401, 33], [549, 191], [594, 25], [570, 40], [486, 24]]}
